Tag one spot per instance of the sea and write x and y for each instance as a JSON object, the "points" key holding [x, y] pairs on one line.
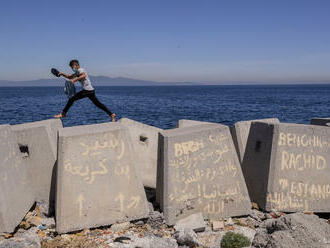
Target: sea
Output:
{"points": [[163, 106]]}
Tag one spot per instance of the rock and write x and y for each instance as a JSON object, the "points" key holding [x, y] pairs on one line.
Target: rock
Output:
{"points": [[257, 215], [217, 225], [141, 241], [27, 238], [34, 220], [294, 230], [38, 211], [156, 219], [24, 225], [217, 242], [139, 223], [151, 207], [151, 241], [252, 223], [120, 226], [241, 222], [48, 223], [261, 238], [308, 212], [8, 235], [43, 207], [275, 214], [186, 237], [41, 234], [20, 243], [230, 222], [268, 216], [194, 221], [122, 239]]}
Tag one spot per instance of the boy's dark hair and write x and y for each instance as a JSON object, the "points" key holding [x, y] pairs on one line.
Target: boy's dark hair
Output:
{"points": [[74, 61]]}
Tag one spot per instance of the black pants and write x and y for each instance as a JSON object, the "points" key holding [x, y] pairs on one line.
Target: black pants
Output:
{"points": [[91, 95]]}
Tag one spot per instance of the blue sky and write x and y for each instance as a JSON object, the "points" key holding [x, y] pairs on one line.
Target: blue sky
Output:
{"points": [[182, 40]]}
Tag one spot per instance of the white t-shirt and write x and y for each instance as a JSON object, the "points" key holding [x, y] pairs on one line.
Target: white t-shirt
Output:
{"points": [[86, 82]]}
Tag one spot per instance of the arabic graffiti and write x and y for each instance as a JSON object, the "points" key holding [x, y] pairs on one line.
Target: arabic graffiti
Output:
{"points": [[95, 149], [97, 159], [203, 171], [85, 171]]}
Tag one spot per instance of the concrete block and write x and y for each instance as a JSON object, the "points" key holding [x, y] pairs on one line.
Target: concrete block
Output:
{"points": [[287, 167], [321, 121], [188, 123], [198, 171], [194, 221], [52, 126], [145, 144], [39, 141], [16, 196], [97, 183], [240, 133], [40, 159]]}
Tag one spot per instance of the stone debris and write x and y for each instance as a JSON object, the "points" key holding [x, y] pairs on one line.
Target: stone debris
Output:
{"points": [[186, 237], [194, 221], [229, 222], [217, 225], [257, 215], [307, 230], [293, 230], [119, 227]]}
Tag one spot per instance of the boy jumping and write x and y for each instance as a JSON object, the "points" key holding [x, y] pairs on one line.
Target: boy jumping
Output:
{"points": [[80, 75]]}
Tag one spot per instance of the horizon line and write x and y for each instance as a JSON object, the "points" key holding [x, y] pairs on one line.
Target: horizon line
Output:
{"points": [[201, 82]]}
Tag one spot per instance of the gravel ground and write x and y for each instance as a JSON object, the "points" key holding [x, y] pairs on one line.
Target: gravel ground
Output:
{"points": [[271, 230]]}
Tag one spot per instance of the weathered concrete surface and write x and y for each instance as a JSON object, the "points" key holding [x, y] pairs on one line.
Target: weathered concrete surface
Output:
{"points": [[321, 121], [97, 183], [198, 171], [145, 144], [16, 196], [38, 141], [240, 133], [287, 167], [52, 127], [188, 123]]}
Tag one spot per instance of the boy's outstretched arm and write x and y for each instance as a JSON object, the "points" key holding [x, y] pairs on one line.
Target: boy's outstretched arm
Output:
{"points": [[66, 75], [81, 77], [75, 79]]}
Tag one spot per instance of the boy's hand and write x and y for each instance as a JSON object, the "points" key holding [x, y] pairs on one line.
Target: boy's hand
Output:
{"points": [[73, 81]]}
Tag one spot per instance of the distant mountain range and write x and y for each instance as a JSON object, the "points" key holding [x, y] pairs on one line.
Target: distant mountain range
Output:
{"points": [[96, 80]]}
